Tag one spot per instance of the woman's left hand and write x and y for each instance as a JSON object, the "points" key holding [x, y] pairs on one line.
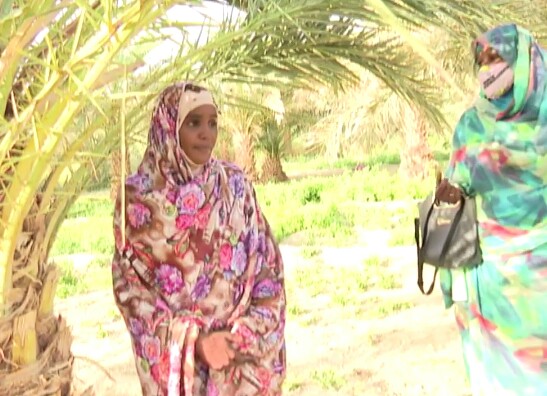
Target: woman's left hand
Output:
{"points": [[448, 193]]}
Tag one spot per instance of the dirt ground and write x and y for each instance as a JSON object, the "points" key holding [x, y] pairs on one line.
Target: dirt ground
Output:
{"points": [[411, 352]]}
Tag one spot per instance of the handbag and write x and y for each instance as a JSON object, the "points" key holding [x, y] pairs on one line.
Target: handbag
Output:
{"points": [[447, 236]]}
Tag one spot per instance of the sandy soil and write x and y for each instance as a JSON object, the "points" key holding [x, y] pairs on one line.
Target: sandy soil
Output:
{"points": [[411, 352]]}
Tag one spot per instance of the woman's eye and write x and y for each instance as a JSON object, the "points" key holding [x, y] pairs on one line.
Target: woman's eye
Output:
{"points": [[213, 123]]}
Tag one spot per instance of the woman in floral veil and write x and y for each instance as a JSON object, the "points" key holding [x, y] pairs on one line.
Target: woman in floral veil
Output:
{"points": [[197, 274]]}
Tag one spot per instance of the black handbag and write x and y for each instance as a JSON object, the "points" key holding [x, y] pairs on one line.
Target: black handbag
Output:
{"points": [[447, 236]]}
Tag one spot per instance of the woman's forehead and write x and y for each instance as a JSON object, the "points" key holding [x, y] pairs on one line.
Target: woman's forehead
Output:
{"points": [[204, 111]]}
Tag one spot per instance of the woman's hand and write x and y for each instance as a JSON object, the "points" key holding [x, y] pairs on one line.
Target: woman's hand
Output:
{"points": [[446, 192], [216, 349]]}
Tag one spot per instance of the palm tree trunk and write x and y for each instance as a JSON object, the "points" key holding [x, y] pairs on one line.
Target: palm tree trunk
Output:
{"points": [[35, 344], [416, 157], [272, 169], [245, 155]]}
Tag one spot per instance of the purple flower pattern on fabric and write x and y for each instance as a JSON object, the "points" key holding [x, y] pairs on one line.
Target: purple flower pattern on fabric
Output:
{"points": [[169, 278], [138, 215], [139, 181], [239, 259], [251, 241], [135, 327], [212, 389], [261, 248], [265, 288], [237, 185], [263, 312], [259, 263], [171, 196], [202, 287], [278, 367]]}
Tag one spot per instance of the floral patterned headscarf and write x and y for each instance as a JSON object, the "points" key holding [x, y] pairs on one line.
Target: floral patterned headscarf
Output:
{"points": [[197, 255]]}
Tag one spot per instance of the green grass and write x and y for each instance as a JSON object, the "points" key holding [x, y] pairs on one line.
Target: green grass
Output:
{"points": [[84, 235], [316, 288], [70, 283], [95, 276], [377, 158], [328, 208], [328, 379], [91, 205]]}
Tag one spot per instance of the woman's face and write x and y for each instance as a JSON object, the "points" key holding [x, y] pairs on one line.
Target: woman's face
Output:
{"points": [[198, 134]]}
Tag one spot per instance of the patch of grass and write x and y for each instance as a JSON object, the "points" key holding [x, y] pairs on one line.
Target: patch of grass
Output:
{"points": [[341, 288], [114, 313], [84, 235], [388, 282], [102, 332], [98, 278], [310, 320], [309, 252], [309, 163], [374, 338], [328, 379], [293, 384], [326, 209], [402, 237], [92, 205], [70, 282], [295, 310], [73, 282], [388, 308]]}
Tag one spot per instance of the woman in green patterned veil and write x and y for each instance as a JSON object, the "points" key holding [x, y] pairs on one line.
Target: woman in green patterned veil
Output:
{"points": [[500, 157]]}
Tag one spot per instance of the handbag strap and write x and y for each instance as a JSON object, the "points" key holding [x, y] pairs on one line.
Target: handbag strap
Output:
{"points": [[444, 250], [421, 262], [452, 230]]}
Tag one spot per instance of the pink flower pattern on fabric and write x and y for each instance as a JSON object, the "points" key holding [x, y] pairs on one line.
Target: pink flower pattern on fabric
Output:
{"points": [[190, 198], [169, 278], [225, 256]]}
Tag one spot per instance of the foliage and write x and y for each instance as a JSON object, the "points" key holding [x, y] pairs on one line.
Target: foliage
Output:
{"points": [[274, 138]]}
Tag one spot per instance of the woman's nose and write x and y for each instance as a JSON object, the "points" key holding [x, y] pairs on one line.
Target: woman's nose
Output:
{"points": [[206, 132]]}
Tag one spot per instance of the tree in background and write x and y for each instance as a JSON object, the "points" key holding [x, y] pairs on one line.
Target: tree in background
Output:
{"points": [[273, 141]]}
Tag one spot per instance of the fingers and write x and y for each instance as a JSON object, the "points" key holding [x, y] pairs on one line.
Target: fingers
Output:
{"points": [[440, 194], [220, 360], [454, 196], [447, 193]]}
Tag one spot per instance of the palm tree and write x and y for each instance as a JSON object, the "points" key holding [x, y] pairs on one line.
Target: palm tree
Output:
{"points": [[56, 60], [64, 114], [273, 140], [245, 108]]}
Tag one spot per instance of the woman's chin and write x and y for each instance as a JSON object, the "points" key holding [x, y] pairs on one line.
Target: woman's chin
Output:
{"points": [[200, 160]]}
